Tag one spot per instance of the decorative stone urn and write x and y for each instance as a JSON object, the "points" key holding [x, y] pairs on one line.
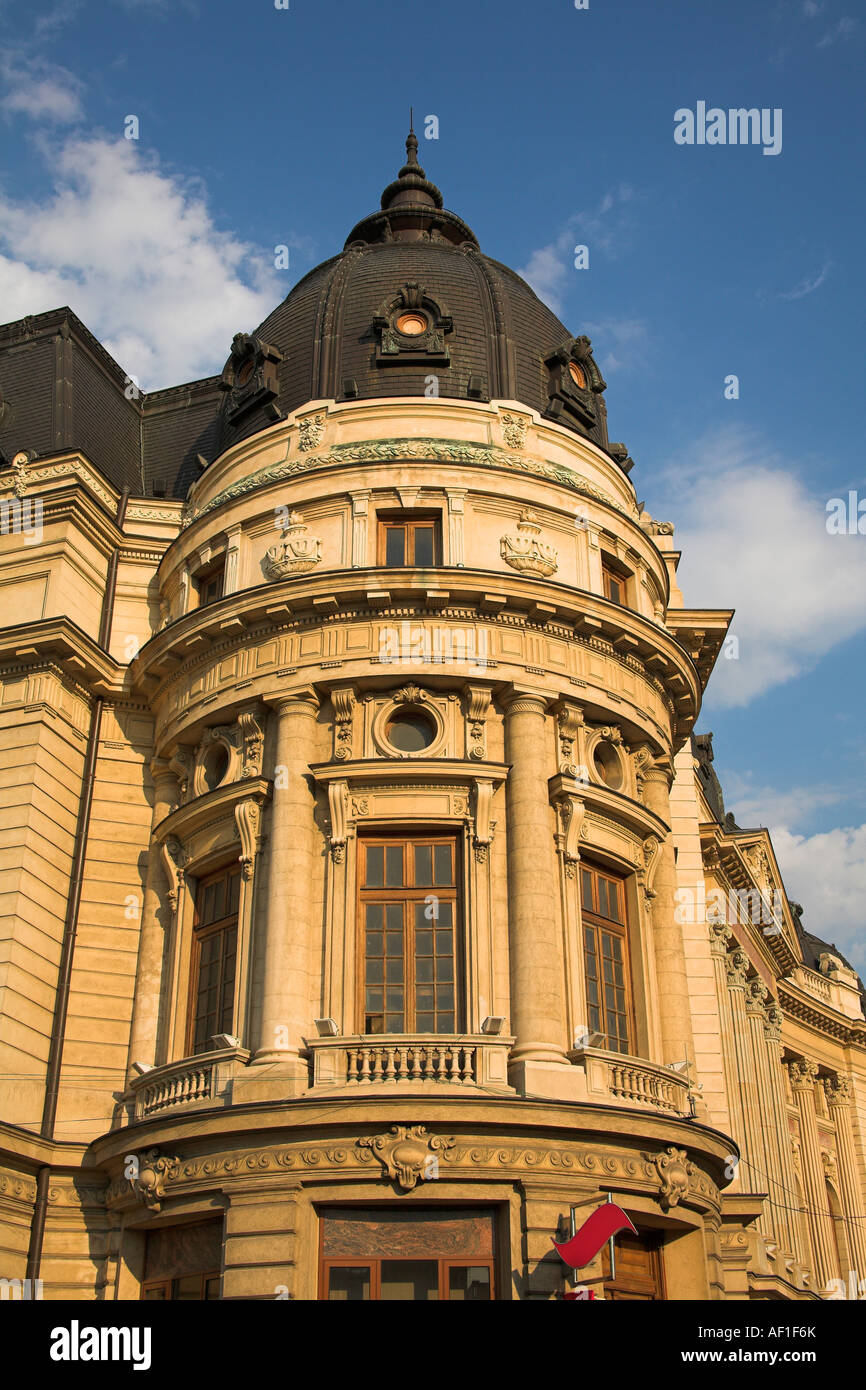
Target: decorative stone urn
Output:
{"points": [[525, 552], [295, 553]]}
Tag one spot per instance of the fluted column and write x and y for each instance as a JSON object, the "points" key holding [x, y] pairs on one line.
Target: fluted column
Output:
{"points": [[838, 1092], [773, 1019], [670, 957], [767, 1118], [151, 944], [803, 1074], [286, 989], [752, 1180], [538, 1018], [720, 940]]}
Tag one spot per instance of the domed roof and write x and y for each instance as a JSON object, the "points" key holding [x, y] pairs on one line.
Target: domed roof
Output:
{"points": [[412, 307]]}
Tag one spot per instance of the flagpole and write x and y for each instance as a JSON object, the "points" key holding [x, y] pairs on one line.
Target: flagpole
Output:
{"points": [[611, 1249]]}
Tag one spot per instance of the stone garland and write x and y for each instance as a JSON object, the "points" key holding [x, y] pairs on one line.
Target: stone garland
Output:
{"points": [[401, 450]]}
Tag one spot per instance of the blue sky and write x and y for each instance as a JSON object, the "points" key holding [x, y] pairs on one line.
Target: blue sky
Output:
{"points": [[260, 127]]}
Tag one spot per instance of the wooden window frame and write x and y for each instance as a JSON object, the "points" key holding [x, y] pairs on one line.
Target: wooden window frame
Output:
{"points": [[593, 919], [207, 576], [374, 1263], [200, 934], [612, 569], [169, 1284], [409, 893], [388, 521]]}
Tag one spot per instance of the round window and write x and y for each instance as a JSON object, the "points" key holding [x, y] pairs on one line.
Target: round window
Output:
{"points": [[412, 324], [410, 731], [216, 765], [577, 375], [607, 765], [244, 371]]}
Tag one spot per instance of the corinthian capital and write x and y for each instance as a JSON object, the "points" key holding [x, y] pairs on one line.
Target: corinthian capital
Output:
{"points": [[803, 1074]]}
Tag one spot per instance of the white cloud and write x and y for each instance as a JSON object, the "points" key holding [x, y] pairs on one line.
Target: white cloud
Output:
{"points": [[38, 90], [840, 30], [826, 872], [754, 806], [135, 252], [808, 284], [754, 539], [625, 343], [603, 229]]}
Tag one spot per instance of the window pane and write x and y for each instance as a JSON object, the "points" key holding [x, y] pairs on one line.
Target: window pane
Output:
{"points": [[424, 865], [410, 1281], [393, 866], [586, 888], [469, 1283], [423, 545], [395, 545], [442, 858], [349, 1285], [189, 1287], [375, 866], [234, 892]]}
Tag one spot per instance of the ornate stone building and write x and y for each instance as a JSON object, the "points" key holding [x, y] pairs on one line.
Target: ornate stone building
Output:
{"points": [[369, 902]]}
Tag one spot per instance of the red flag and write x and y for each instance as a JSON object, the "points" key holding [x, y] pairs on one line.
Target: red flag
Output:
{"points": [[598, 1227]]}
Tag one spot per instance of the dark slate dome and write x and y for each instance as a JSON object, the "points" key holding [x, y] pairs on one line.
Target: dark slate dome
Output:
{"points": [[412, 307]]}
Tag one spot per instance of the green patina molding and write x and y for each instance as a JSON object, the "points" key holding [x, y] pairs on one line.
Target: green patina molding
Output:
{"points": [[397, 450]]}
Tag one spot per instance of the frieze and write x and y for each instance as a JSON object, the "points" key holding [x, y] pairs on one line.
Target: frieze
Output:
{"points": [[401, 450]]}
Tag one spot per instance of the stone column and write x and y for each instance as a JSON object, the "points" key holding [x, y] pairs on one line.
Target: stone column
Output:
{"points": [[720, 940], [286, 1013], [838, 1092], [803, 1074], [773, 1020], [670, 957], [752, 1179], [538, 1018], [767, 1118], [151, 942]]}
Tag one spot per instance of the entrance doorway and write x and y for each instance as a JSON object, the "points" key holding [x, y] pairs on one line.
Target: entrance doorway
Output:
{"points": [[417, 1256]]}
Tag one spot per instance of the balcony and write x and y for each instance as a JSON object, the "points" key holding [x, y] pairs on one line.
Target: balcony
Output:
{"points": [[410, 1062], [192, 1082], [614, 1079]]}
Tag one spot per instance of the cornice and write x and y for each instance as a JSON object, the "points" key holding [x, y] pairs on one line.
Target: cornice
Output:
{"points": [[61, 641], [341, 595], [408, 449]]}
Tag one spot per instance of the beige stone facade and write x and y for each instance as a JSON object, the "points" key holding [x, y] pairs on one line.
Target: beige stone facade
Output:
{"points": [[369, 913], [254, 730]]}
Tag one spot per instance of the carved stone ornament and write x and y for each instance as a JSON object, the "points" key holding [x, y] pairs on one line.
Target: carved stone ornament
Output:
{"points": [[406, 1154], [675, 1174], [248, 818], [153, 1174], [525, 552], [174, 859], [251, 377], [294, 553], [514, 430], [344, 705], [311, 432], [252, 744]]}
